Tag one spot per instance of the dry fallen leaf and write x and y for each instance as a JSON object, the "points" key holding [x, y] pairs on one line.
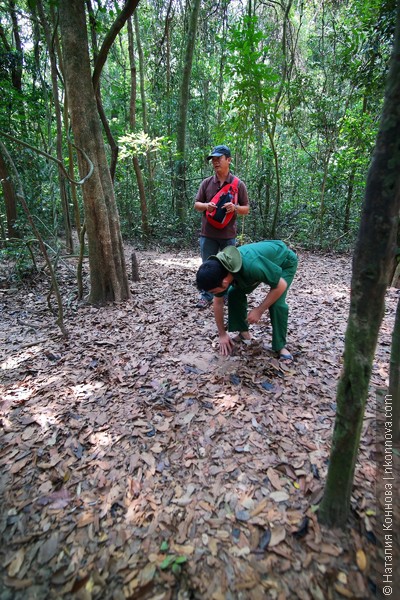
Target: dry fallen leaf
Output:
{"points": [[152, 445], [48, 549], [343, 591], [278, 534], [361, 560], [279, 496], [16, 563]]}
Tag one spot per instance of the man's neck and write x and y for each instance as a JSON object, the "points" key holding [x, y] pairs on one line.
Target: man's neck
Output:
{"points": [[222, 178]]}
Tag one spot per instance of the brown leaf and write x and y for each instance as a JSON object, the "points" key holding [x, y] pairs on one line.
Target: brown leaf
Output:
{"points": [[279, 496], [16, 563], [48, 549], [278, 534], [361, 560], [274, 478]]}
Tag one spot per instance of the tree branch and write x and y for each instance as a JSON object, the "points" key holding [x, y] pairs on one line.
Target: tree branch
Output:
{"points": [[118, 24], [42, 153]]}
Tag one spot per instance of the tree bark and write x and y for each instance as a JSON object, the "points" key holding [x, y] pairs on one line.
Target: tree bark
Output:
{"points": [[150, 179], [372, 262], [16, 67], [10, 199], [100, 58], [180, 170], [108, 276], [58, 114], [394, 375], [132, 122]]}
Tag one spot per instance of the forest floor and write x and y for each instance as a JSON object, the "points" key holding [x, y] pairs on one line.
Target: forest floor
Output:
{"points": [[136, 463]]}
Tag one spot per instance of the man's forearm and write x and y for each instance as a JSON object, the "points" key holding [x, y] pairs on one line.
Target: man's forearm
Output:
{"points": [[242, 210], [218, 306], [201, 206], [273, 295]]}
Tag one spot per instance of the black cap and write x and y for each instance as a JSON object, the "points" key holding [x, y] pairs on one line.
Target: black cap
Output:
{"points": [[219, 151]]}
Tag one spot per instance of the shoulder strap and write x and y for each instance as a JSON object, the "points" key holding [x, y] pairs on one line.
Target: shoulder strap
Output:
{"points": [[232, 186]]}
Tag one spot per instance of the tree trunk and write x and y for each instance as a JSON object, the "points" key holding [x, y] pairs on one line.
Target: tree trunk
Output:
{"points": [[65, 117], [17, 67], [371, 270], [395, 272], [278, 185], [58, 115], [10, 199], [180, 171], [108, 276], [150, 180], [100, 59], [394, 376], [132, 122], [322, 204], [349, 198]]}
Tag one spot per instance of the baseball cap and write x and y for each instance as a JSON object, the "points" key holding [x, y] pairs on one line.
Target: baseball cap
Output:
{"points": [[220, 151]]}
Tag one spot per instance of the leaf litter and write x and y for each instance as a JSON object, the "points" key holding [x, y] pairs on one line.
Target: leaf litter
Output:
{"points": [[138, 463]]}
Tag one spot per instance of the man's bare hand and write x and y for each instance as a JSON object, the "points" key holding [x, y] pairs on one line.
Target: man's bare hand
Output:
{"points": [[226, 344], [229, 207], [254, 316]]}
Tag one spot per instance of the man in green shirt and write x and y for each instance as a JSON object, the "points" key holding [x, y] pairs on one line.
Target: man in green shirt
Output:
{"points": [[240, 271]]}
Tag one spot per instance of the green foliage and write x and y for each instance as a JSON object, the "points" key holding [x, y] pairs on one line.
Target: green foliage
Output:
{"points": [[172, 562], [19, 256], [133, 144], [317, 93]]}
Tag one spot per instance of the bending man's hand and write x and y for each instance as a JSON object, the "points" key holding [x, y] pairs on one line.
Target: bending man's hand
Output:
{"points": [[254, 315], [226, 344]]}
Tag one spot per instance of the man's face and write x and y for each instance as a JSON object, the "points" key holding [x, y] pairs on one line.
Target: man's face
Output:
{"points": [[225, 283], [221, 164], [219, 290]]}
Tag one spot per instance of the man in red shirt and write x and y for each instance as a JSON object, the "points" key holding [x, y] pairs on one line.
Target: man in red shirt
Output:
{"points": [[213, 240]]}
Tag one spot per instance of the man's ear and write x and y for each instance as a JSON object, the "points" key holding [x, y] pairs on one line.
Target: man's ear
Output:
{"points": [[227, 280]]}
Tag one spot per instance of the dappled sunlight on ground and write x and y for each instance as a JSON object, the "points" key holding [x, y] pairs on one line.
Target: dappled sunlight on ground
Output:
{"points": [[133, 442]]}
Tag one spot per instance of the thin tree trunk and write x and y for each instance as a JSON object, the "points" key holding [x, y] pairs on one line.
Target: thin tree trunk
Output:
{"points": [[99, 59], [17, 67], [349, 198], [180, 172], [322, 205], [58, 115], [150, 181], [371, 271], [278, 185], [132, 122], [271, 129], [54, 284]]}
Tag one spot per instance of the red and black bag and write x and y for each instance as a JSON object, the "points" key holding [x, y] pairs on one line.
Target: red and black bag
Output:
{"points": [[219, 218]]}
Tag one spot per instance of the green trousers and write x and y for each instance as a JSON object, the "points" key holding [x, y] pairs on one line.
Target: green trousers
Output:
{"points": [[279, 311]]}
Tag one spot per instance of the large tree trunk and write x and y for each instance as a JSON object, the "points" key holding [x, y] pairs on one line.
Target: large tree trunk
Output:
{"points": [[372, 262], [108, 275]]}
